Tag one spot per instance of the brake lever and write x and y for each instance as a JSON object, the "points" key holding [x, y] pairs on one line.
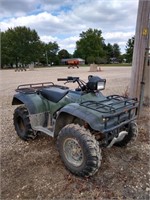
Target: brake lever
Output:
{"points": [[69, 81], [65, 82]]}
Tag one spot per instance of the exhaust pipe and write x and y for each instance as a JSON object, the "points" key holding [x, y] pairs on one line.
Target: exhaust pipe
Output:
{"points": [[120, 137]]}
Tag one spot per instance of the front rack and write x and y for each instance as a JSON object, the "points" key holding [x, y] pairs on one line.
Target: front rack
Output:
{"points": [[111, 104], [122, 109]]}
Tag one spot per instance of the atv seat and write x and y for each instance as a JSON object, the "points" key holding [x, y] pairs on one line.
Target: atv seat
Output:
{"points": [[53, 94]]}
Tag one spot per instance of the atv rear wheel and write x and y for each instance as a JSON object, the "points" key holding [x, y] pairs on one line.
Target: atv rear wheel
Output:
{"points": [[132, 134], [79, 150], [22, 123]]}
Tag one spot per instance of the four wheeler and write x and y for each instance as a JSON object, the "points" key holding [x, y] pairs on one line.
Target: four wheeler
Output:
{"points": [[82, 120]]}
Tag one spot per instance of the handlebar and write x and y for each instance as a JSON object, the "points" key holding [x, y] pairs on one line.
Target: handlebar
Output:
{"points": [[91, 85], [69, 78]]}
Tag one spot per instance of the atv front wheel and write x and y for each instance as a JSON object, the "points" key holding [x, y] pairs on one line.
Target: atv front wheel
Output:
{"points": [[132, 134], [79, 150], [22, 123]]}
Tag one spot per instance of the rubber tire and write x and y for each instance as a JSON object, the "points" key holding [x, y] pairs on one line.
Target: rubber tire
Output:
{"points": [[89, 146], [132, 134], [22, 123]]}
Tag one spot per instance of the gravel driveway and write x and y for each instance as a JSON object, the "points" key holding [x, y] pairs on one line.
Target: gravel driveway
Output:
{"points": [[33, 170]]}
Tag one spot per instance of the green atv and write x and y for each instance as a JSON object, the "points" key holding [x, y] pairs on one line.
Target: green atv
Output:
{"points": [[82, 120]]}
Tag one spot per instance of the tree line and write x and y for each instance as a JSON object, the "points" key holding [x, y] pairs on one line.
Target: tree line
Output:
{"points": [[22, 46]]}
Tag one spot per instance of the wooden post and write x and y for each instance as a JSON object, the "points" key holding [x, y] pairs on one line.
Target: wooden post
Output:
{"points": [[145, 86], [0, 51], [141, 43], [95, 68]]}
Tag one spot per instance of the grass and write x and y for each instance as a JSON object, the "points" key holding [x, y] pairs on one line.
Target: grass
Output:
{"points": [[117, 65], [99, 65]]}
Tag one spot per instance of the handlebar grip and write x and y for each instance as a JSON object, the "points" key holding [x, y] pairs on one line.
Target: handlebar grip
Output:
{"points": [[62, 79]]}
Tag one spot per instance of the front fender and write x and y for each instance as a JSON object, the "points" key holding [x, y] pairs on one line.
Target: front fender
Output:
{"points": [[33, 102], [88, 115]]}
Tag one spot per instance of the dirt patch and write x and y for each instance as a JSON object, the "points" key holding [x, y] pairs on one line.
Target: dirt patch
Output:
{"points": [[33, 170]]}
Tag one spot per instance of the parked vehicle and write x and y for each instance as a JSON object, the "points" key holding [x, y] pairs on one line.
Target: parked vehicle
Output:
{"points": [[72, 63], [82, 120]]}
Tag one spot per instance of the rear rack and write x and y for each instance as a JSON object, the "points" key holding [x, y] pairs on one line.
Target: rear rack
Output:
{"points": [[33, 87], [108, 106]]}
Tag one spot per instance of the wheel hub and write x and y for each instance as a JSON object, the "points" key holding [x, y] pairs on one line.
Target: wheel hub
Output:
{"points": [[73, 152]]}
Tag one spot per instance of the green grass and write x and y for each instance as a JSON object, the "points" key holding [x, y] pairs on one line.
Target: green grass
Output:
{"points": [[116, 65], [111, 65], [99, 65]]}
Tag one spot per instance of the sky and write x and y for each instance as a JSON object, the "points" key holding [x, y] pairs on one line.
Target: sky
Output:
{"points": [[63, 20]]}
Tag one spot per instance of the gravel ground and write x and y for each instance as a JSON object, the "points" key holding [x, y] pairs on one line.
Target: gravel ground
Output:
{"points": [[33, 170]]}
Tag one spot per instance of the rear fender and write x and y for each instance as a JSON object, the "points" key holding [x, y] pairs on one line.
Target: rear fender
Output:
{"points": [[68, 113], [33, 102]]}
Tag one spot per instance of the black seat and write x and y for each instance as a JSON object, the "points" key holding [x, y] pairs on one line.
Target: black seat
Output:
{"points": [[53, 94]]}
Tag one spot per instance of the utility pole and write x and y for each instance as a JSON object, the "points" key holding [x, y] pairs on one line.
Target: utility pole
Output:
{"points": [[0, 50], [46, 58], [141, 44]]}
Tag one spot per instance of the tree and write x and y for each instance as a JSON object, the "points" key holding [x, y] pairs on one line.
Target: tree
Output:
{"points": [[43, 59], [129, 50], [63, 53], [51, 50], [116, 51], [90, 59], [20, 45], [109, 52], [112, 52], [6, 56], [90, 44], [139, 84]]}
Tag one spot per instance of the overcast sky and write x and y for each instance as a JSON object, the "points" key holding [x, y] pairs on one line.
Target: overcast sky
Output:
{"points": [[63, 20]]}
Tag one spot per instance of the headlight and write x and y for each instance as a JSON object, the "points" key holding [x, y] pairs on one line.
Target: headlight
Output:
{"points": [[100, 85], [96, 83]]}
